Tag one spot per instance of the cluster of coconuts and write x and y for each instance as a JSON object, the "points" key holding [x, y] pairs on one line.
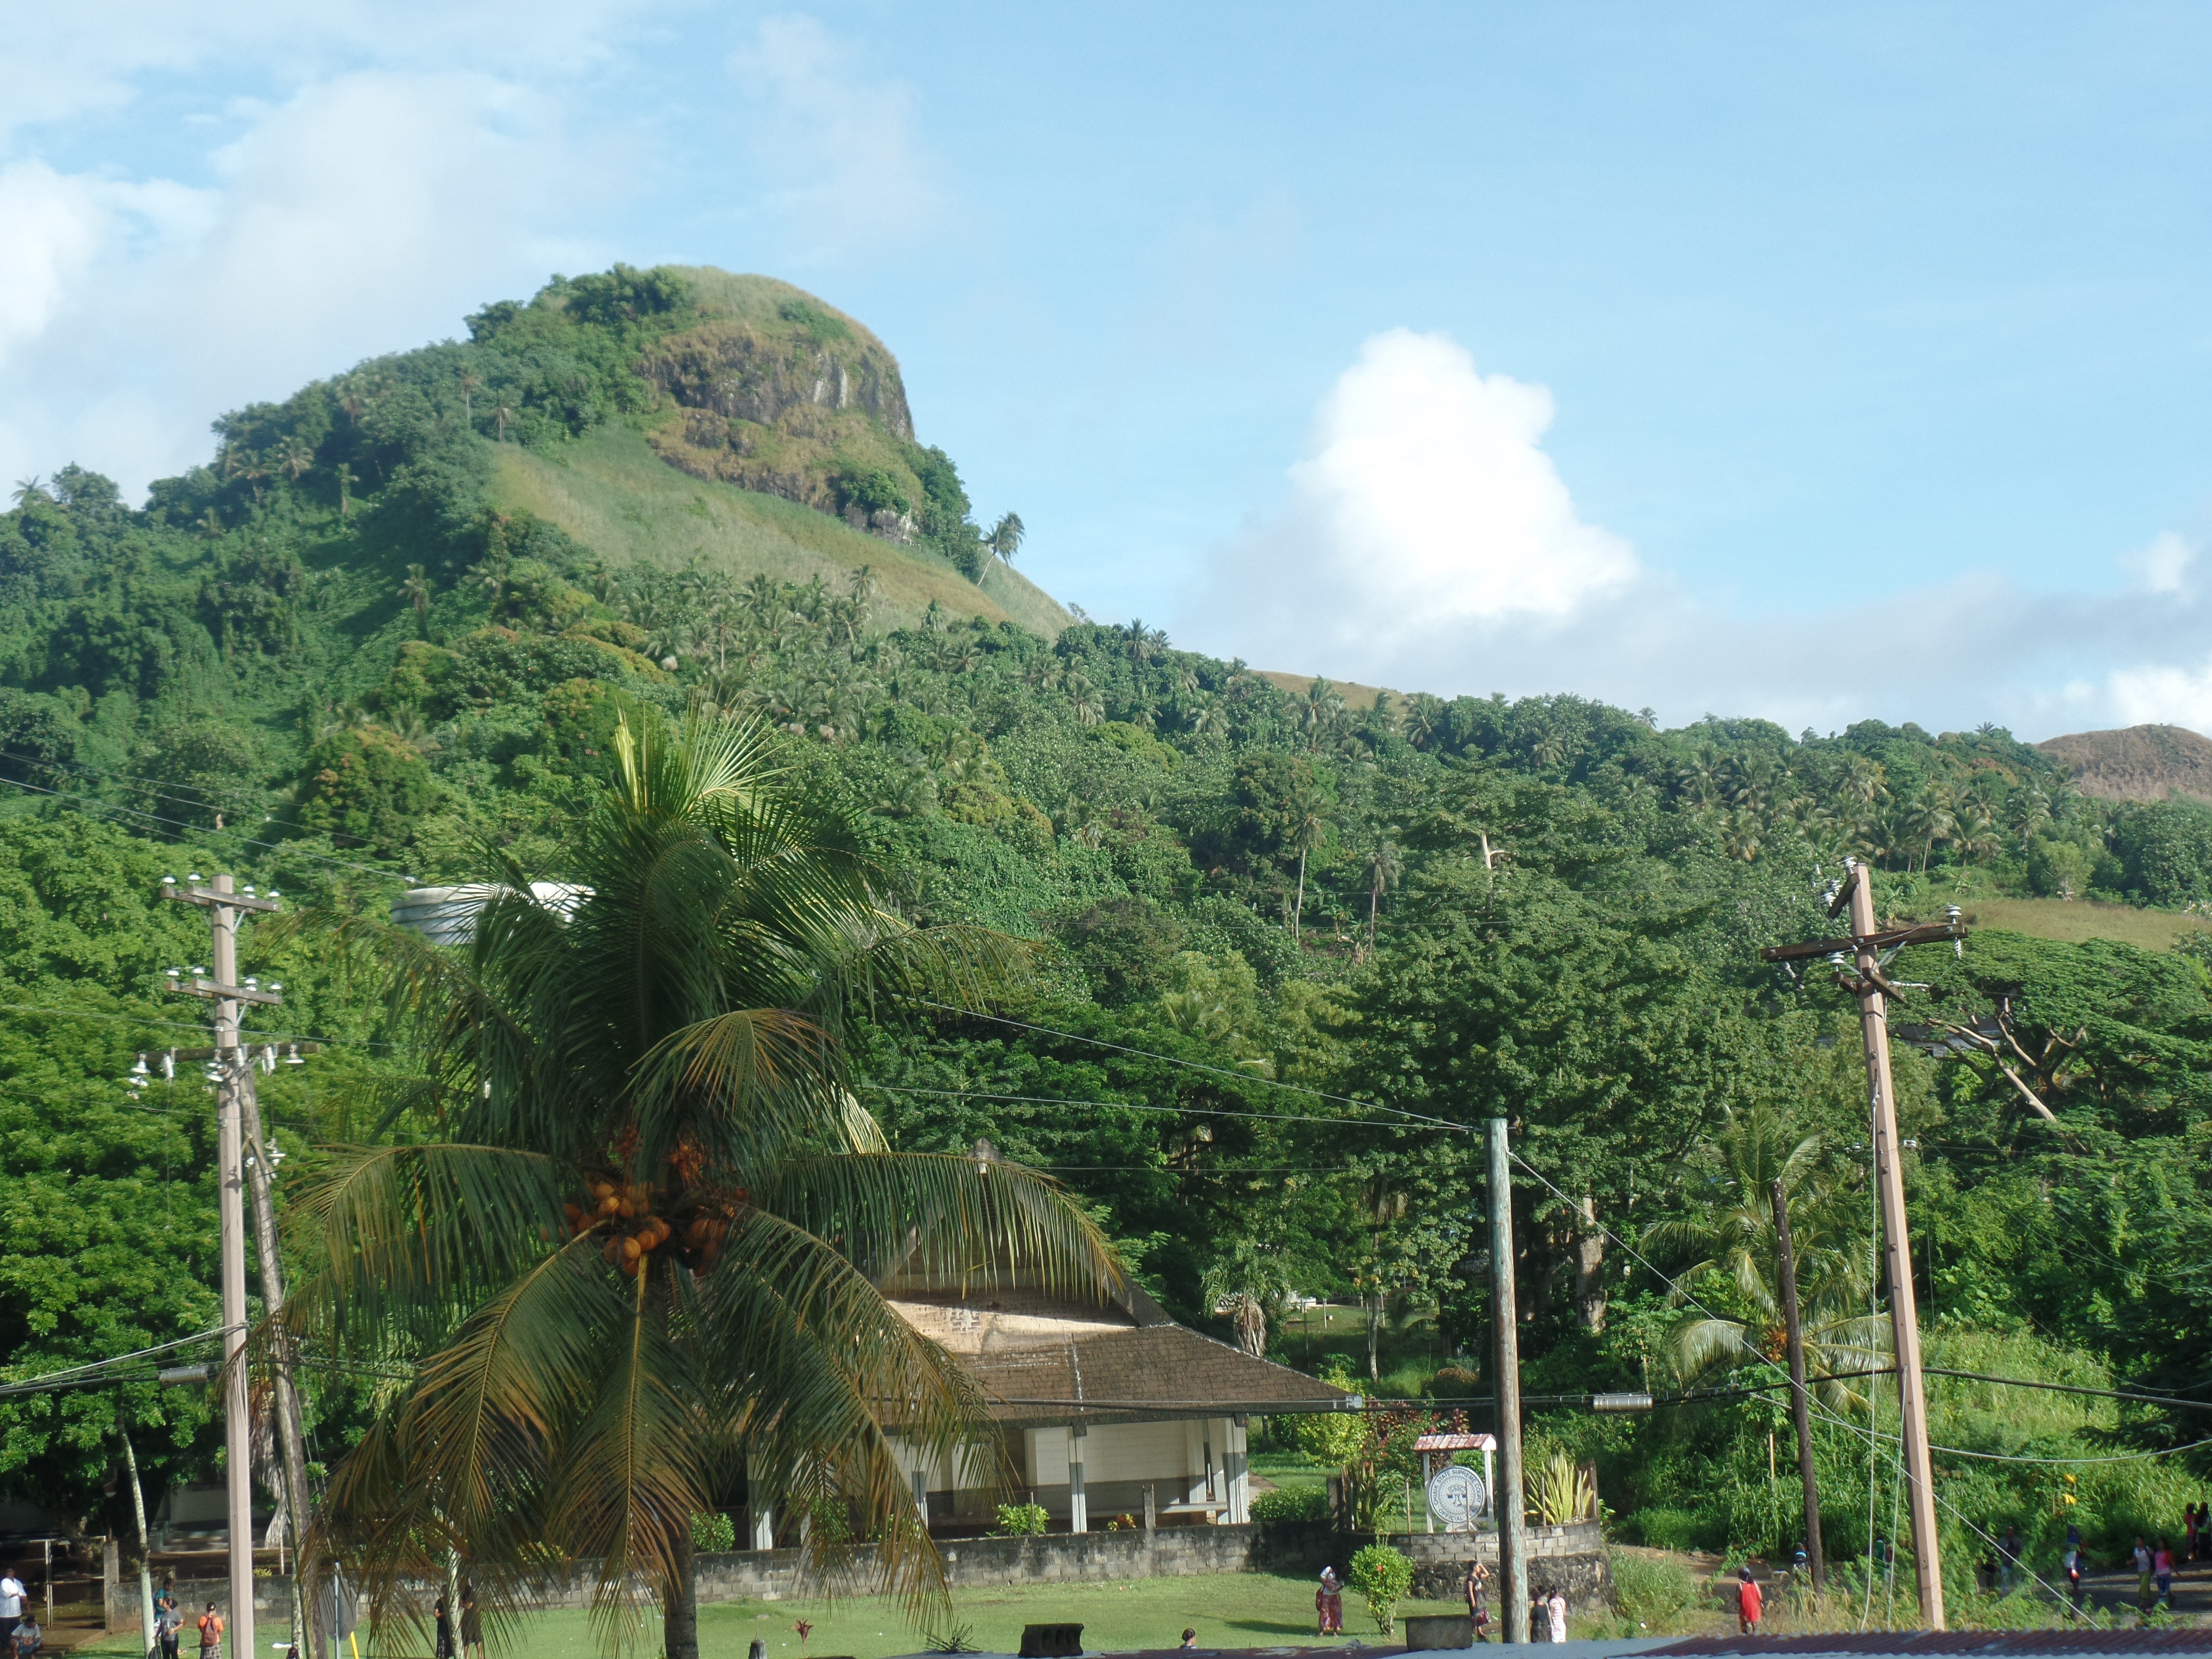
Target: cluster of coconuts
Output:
{"points": [[634, 1231]]}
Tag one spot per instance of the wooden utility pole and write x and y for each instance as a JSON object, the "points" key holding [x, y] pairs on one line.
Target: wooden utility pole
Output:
{"points": [[223, 905], [291, 1436], [1864, 948], [1505, 1317], [1800, 1409]]}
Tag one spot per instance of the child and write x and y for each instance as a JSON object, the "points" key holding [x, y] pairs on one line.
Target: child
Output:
{"points": [[1189, 1638], [210, 1633], [28, 1635]]}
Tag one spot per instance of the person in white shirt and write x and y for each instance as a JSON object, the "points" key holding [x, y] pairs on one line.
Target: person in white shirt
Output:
{"points": [[1556, 1605], [11, 1603]]}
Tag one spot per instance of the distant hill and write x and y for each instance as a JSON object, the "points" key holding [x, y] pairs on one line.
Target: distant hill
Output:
{"points": [[2141, 763]]}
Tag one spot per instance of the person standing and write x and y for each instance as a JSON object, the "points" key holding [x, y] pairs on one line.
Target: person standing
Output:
{"points": [[210, 1633], [473, 1642], [2008, 1558], [11, 1602], [1556, 1605], [1750, 1605], [2189, 1532], [441, 1637], [2142, 1570], [2074, 1565], [1478, 1598], [1329, 1604], [168, 1620], [2161, 1566]]}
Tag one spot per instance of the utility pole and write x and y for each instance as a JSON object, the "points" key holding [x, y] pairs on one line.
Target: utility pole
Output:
{"points": [[1863, 949], [291, 1437], [1505, 1318], [1800, 1409], [223, 904]]}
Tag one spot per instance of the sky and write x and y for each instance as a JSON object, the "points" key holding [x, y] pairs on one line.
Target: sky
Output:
{"points": [[1815, 364]]}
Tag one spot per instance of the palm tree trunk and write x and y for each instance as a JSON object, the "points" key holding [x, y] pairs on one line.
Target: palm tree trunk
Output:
{"points": [[1298, 909], [1375, 1336], [680, 1617], [1374, 898]]}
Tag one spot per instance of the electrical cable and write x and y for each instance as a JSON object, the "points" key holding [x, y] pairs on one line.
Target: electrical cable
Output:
{"points": [[1115, 1105], [1814, 1403], [1216, 1071], [86, 803], [69, 1376]]}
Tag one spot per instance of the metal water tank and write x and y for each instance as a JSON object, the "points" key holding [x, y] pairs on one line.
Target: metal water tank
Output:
{"points": [[447, 915]]}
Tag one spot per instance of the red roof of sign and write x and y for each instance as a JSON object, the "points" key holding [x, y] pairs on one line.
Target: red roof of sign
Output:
{"points": [[1456, 1442]]}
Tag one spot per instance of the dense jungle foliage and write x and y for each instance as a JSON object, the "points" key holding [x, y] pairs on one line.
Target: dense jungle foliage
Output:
{"points": [[328, 662]]}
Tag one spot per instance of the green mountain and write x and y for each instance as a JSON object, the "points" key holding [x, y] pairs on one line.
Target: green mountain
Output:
{"points": [[388, 632]]}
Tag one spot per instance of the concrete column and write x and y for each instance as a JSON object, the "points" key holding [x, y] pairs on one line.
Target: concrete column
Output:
{"points": [[761, 1508], [921, 1498], [1240, 1476], [1151, 1509], [1078, 1511]]}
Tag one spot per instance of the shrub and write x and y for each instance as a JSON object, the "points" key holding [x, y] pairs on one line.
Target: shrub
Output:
{"points": [[1669, 1529], [1382, 1575], [1652, 1593], [1292, 1504], [713, 1534], [1019, 1520]]}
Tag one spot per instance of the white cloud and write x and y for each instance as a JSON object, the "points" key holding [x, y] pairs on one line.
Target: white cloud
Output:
{"points": [[1430, 544], [1430, 492], [365, 213], [845, 171], [2163, 566]]}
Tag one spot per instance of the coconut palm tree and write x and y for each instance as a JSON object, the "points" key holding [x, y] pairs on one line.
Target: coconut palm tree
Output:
{"points": [[1384, 867], [639, 1242], [417, 591], [1729, 1228], [1005, 538]]}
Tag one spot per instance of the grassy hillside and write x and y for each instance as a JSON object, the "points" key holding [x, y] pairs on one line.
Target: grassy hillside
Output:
{"points": [[1355, 695], [613, 493], [2080, 920], [2141, 763]]}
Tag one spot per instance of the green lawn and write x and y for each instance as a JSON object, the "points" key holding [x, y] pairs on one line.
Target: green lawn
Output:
{"points": [[1243, 1610]]}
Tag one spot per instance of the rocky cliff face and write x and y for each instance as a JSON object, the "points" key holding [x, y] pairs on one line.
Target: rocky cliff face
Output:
{"points": [[804, 404], [740, 371]]}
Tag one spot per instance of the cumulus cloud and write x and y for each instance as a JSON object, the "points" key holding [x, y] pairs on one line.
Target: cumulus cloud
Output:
{"points": [[1429, 542], [368, 210], [845, 171]]}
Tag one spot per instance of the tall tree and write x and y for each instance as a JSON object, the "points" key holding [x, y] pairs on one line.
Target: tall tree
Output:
{"points": [[417, 591], [642, 1244]]}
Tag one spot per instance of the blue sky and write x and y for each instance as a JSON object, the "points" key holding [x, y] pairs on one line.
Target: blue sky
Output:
{"points": [[1648, 353]]}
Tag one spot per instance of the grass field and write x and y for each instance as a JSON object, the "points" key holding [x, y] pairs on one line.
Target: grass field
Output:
{"points": [[1243, 1610], [613, 493], [2073, 921]]}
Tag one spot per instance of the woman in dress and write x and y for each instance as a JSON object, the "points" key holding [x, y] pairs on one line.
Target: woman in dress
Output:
{"points": [[1478, 1597], [1329, 1603]]}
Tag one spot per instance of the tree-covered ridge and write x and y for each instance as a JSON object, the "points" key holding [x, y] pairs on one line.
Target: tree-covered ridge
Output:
{"points": [[336, 655]]}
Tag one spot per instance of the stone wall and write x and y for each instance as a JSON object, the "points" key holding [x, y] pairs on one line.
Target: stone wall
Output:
{"points": [[1573, 1557]]}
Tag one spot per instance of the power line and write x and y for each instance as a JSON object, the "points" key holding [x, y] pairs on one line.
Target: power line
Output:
{"points": [[1216, 1071], [1872, 1439], [1111, 1105], [73, 1376], [87, 804], [161, 793]]}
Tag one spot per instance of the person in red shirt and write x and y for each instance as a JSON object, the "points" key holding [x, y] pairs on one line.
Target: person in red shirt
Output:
{"points": [[1749, 1603]]}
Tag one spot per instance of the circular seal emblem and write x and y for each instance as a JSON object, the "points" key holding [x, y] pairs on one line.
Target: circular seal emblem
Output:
{"points": [[1455, 1496]]}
